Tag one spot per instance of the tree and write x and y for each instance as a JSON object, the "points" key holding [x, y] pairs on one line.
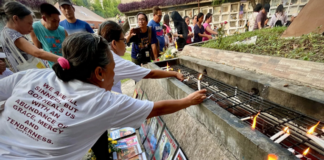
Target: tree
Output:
{"points": [[78, 2]]}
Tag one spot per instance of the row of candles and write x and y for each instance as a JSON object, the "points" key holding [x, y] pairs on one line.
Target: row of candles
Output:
{"points": [[278, 137], [282, 135]]}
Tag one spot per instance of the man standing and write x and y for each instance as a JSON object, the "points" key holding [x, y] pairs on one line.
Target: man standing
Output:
{"points": [[71, 24], [47, 33], [157, 28], [261, 17]]}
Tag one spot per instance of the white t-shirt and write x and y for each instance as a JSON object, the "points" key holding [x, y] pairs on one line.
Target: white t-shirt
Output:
{"points": [[46, 118], [126, 69], [6, 73], [193, 31]]}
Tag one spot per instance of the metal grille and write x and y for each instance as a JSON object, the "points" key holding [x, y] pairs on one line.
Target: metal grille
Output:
{"points": [[272, 119]]}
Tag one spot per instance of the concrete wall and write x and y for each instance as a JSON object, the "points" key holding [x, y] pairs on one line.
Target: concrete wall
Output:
{"points": [[208, 132]]}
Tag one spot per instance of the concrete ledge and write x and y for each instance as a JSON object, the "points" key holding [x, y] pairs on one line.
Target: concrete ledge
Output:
{"points": [[300, 72], [233, 138]]}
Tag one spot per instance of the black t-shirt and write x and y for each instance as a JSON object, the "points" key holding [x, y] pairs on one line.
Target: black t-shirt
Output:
{"points": [[141, 42]]}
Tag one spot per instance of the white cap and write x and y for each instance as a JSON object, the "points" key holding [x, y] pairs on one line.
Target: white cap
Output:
{"points": [[2, 55]]}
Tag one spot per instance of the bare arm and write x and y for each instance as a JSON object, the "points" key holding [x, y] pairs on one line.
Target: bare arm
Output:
{"points": [[259, 25], [164, 74], [66, 34], [211, 31], [27, 47], [131, 34], [155, 52], [171, 106], [35, 40], [205, 35]]}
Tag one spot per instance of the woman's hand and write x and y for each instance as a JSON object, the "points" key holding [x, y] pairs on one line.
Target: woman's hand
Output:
{"points": [[196, 97], [209, 37], [180, 76]]}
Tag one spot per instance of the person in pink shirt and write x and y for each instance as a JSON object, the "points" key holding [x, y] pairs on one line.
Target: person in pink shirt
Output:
{"points": [[207, 27], [166, 23]]}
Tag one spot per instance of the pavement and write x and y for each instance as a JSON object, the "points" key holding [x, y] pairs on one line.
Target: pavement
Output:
{"points": [[128, 87]]}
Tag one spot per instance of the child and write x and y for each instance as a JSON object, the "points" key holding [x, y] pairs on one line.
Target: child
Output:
{"points": [[170, 40], [166, 39]]}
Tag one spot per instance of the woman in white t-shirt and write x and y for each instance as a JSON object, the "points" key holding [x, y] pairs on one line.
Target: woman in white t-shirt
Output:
{"points": [[60, 114], [113, 33]]}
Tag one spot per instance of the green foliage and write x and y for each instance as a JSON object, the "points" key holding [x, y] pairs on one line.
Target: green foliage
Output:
{"points": [[308, 47], [106, 10], [219, 2]]}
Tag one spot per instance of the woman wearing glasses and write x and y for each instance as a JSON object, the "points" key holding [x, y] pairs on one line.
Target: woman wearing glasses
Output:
{"points": [[113, 33], [144, 48]]}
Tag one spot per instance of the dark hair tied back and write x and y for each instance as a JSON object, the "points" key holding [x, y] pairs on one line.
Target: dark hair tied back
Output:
{"points": [[85, 52], [15, 8]]}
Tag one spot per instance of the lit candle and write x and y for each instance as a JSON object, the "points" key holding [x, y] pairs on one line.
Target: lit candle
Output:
{"points": [[272, 157], [283, 137], [247, 118], [199, 82], [167, 67], [254, 121], [278, 134], [304, 153], [316, 139], [179, 71]]}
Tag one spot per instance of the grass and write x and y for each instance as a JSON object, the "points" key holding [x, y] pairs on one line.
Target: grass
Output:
{"points": [[308, 47], [128, 57], [129, 49]]}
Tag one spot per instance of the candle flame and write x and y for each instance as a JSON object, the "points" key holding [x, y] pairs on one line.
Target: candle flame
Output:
{"points": [[288, 131], [272, 157], [200, 76], [286, 128], [167, 67], [312, 129], [179, 71], [254, 121], [306, 151]]}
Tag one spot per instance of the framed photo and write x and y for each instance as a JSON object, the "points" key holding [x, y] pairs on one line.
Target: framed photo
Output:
{"points": [[180, 155], [127, 142], [144, 129], [141, 156], [167, 147], [129, 151], [153, 136], [135, 94], [139, 93], [122, 132], [144, 97]]}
